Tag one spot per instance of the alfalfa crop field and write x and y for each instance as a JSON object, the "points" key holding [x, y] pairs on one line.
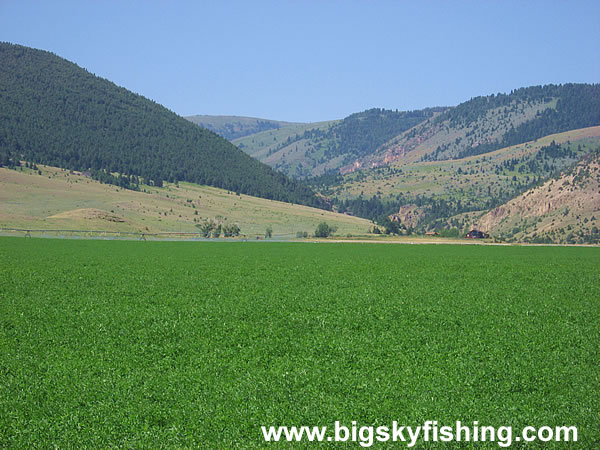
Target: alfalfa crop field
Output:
{"points": [[179, 344]]}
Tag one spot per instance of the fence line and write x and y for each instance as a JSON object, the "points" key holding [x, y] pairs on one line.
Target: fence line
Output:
{"points": [[143, 235]]}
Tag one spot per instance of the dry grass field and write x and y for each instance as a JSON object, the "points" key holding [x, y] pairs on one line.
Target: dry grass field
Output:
{"points": [[60, 199]]}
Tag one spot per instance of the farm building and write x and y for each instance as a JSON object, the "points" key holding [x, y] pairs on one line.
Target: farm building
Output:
{"points": [[476, 234]]}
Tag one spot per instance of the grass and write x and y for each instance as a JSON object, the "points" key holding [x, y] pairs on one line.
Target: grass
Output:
{"points": [[258, 145], [174, 344], [295, 158], [441, 178], [223, 121], [56, 199]]}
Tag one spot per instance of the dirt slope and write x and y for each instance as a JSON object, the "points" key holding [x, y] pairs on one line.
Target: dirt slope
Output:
{"points": [[566, 209]]}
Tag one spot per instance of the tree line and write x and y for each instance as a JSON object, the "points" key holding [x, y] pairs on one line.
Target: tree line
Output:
{"points": [[577, 106]]}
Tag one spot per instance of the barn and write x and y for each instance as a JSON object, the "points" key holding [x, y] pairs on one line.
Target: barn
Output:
{"points": [[476, 234]]}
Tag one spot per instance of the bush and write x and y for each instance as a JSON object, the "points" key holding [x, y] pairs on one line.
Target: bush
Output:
{"points": [[210, 228], [450, 233], [324, 230]]}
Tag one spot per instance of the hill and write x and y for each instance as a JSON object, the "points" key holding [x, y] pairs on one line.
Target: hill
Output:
{"points": [[313, 149], [56, 113], [291, 149], [452, 193], [379, 138], [55, 198], [485, 124], [234, 127], [565, 209]]}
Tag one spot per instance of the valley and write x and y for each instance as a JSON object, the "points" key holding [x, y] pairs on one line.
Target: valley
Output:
{"points": [[433, 170], [239, 225]]}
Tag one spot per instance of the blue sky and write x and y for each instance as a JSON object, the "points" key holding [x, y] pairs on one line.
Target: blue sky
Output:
{"points": [[314, 60]]}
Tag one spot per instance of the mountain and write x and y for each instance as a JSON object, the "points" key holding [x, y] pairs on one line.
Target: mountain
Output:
{"points": [[56, 113], [438, 168], [484, 124], [379, 138], [565, 209], [462, 162], [234, 127], [446, 194], [313, 149]]}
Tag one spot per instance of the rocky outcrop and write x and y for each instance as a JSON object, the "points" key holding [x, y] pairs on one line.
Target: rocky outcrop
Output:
{"points": [[408, 215], [574, 196]]}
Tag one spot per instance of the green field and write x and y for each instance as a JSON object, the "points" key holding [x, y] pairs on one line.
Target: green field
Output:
{"points": [[171, 344]]}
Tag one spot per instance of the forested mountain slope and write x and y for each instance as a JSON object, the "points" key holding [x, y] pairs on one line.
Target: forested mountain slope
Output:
{"points": [[378, 137], [54, 112], [485, 124]]}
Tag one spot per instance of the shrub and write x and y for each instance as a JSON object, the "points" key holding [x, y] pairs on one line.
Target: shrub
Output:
{"points": [[324, 230]]}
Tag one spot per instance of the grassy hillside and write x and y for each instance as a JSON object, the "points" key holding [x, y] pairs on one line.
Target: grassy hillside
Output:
{"points": [[564, 209], [60, 199], [54, 112], [234, 127], [292, 150], [198, 345], [443, 191], [314, 149], [472, 174]]}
